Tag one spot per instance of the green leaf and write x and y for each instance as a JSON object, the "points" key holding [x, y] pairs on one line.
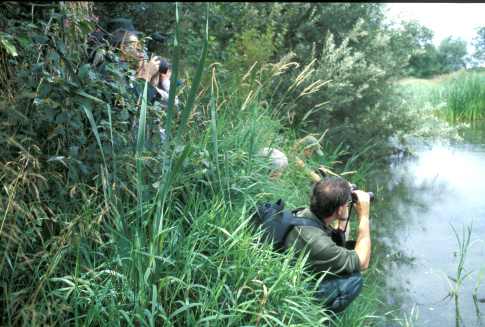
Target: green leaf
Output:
{"points": [[9, 47], [195, 85], [24, 41], [83, 71], [140, 146], [86, 26], [84, 94], [40, 39], [63, 117], [94, 127]]}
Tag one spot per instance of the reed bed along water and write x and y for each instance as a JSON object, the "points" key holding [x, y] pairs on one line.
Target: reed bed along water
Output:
{"points": [[465, 97], [458, 97]]}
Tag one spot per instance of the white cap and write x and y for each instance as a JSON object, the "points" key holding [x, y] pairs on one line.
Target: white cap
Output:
{"points": [[279, 161]]}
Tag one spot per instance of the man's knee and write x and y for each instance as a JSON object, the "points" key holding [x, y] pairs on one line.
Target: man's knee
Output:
{"points": [[338, 293]]}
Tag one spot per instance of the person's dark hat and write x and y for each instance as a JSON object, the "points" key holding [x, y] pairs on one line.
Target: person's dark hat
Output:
{"points": [[159, 37], [122, 24], [119, 28]]}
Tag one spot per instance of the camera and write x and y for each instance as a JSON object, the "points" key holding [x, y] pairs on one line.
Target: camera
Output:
{"points": [[355, 199]]}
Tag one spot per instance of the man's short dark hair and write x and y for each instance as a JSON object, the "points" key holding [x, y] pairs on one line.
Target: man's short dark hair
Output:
{"points": [[329, 194]]}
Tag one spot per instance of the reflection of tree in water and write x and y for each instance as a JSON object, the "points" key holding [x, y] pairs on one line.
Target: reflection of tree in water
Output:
{"points": [[401, 202]]}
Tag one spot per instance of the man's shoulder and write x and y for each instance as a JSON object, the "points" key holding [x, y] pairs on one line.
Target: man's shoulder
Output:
{"points": [[310, 232], [305, 213]]}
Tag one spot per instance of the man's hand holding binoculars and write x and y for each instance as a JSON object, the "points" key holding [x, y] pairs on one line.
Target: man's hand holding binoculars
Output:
{"points": [[149, 69], [362, 203]]}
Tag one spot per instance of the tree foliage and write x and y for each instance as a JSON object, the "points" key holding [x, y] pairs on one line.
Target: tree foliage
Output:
{"points": [[452, 52], [415, 41], [479, 44], [425, 59]]}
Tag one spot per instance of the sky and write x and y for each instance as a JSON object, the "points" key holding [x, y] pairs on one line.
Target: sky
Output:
{"points": [[444, 19]]}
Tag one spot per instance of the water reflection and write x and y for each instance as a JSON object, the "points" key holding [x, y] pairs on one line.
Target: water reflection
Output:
{"points": [[419, 200]]}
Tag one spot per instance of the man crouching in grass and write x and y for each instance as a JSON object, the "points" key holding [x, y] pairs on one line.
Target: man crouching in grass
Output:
{"points": [[340, 265]]}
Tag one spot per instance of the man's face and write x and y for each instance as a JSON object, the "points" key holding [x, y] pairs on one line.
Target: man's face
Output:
{"points": [[343, 211], [131, 49], [308, 152]]}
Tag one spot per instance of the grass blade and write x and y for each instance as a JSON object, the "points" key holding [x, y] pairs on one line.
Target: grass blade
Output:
{"points": [[94, 127], [140, 147], [195, 84], [173, 80]]}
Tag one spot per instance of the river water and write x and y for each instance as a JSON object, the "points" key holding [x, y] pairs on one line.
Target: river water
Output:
{"points": [[421, 200]]}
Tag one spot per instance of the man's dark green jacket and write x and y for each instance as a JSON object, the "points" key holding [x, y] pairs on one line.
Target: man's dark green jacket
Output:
{"points": [[325, 255]]}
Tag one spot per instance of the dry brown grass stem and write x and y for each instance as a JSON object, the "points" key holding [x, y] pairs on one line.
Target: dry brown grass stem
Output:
{"points": [[248, 99], [284, 64], [249, 72], [314, 87], [306, 72]]}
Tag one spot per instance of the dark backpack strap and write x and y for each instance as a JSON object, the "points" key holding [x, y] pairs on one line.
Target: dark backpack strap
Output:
{"points": [[306, 222], [337, 235], [296, 221]]}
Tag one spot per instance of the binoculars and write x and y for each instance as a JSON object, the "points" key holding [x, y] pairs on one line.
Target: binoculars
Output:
{"points": [[355, 199]]}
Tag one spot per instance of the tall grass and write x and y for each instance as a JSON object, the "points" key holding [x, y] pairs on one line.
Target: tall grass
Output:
{"points": [[458, 97], [465, 97], [476, 300], [180, 253]]}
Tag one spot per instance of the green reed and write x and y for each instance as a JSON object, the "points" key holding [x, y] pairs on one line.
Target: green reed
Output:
{"points": [[463, 247], [478, 283], [465, 97]]}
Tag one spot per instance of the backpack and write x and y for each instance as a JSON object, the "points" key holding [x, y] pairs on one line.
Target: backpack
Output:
{"points": [[276, 223]]}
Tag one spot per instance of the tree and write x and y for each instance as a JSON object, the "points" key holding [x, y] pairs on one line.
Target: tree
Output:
{"points": [[451, 54], [415, 42], [426, 63], [479, 44]]}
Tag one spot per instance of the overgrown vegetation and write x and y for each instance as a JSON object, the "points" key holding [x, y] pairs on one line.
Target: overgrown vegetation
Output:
{"points": [[101, 224], [465, 97], [461, 275], [350, 53]]}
